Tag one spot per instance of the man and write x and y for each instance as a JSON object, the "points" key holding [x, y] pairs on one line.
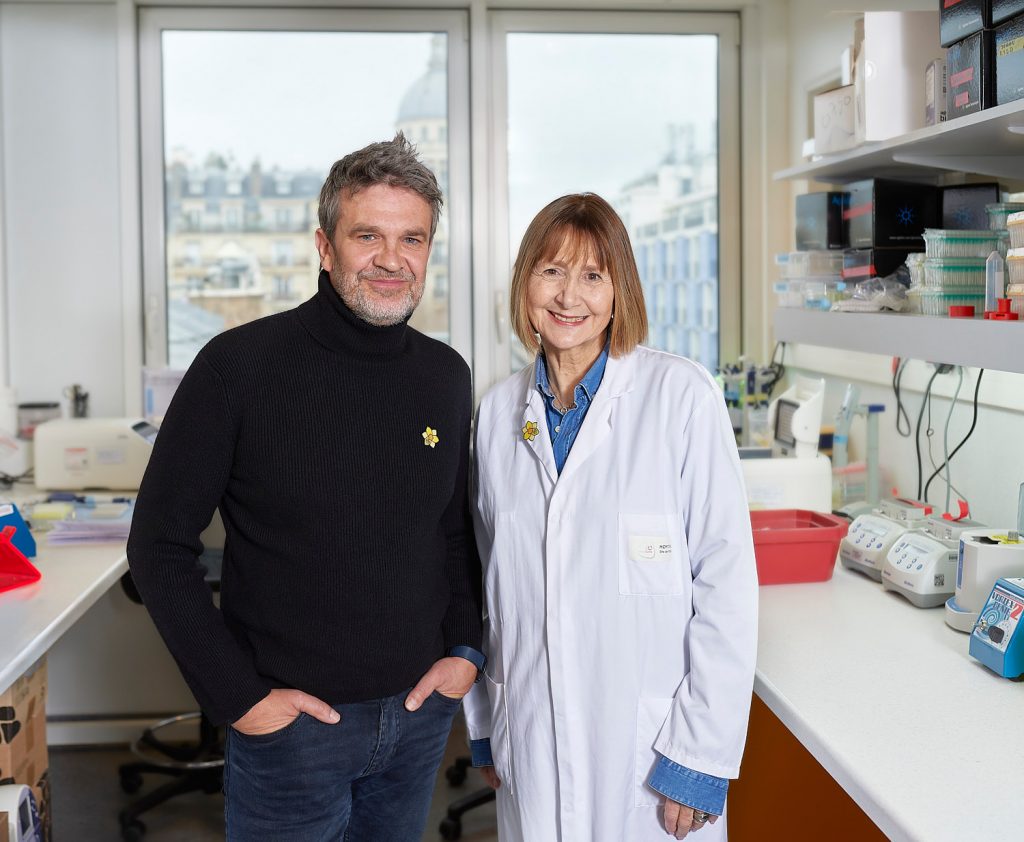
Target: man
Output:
{"points": [[334, 439]]}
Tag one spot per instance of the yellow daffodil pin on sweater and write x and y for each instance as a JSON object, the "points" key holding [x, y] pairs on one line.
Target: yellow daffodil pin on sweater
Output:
{"points": [[530, 430], [430, 437]]}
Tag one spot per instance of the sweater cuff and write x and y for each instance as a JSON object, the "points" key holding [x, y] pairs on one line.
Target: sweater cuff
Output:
{"points": [[689, 787], [480, 751]]}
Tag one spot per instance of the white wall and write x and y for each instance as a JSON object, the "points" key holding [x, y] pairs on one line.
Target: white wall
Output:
{"points": [[61, 182], [990, 467], [62, 270]]}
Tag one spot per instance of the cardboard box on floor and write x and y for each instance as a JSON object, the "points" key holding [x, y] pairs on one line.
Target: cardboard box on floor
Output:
{"points": [[23, 755]]}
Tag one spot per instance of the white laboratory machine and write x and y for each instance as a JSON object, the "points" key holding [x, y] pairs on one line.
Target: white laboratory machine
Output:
{"points": [[871, 536], [921, 565], [848, 410], [18, 805], [73, 454], [792, 474], [984, 556]]}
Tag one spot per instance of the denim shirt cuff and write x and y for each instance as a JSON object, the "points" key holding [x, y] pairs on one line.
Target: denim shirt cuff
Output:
{"points": [[694, 789], [480, 751]]}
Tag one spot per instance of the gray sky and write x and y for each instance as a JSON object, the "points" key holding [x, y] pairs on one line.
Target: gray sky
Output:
{"points": [[586, 111], [294, 99]]}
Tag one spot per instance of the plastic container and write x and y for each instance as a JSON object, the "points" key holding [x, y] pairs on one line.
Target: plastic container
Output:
{"points": [[999, 211], [789, 293], [795, 545], [947, 242], [943, 272], [1015, 266], [809, 264], [1004, 242], [822, 293], [1015, 225], [914, 298], [1015, 292], [936, 302], [915, 265], [15, 569]]}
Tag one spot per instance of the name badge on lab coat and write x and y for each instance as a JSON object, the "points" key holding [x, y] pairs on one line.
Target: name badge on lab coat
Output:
{"points": [[650, 548]]}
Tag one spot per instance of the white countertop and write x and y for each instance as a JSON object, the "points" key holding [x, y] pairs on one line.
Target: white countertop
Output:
{"points": [[884, 695], [33, 617]]}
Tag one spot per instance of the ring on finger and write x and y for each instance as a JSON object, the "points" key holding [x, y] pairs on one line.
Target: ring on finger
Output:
{"points": [[699, 816]]}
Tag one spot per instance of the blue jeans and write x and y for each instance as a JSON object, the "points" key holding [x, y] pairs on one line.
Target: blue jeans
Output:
{"points": [[368, 778]]}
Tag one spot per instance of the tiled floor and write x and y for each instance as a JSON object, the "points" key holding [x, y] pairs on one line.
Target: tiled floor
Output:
{"points": [[87, 796]]}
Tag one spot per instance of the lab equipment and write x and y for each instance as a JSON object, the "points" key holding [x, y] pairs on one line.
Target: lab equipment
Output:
{"points": [[79, 400], [840, 453], [79, 453], [984, 555], [1015, 225], [792, 475], [949, 242], [872, 535], [795, 545], [922, 564], [31, 415], [994, 638], [994, 281], [23, 824]]}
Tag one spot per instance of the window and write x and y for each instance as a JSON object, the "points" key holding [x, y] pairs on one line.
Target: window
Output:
{"points": [[263, 139], [643, 127]]}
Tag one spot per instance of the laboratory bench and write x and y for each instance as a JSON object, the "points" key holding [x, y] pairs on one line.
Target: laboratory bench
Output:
{"points": [[869, 708]]}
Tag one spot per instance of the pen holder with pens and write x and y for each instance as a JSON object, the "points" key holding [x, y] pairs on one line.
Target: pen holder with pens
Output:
{"points": [[15, 569]]}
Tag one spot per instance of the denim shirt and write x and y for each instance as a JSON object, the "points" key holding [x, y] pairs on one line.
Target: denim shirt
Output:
{"points": [[686, 786]]}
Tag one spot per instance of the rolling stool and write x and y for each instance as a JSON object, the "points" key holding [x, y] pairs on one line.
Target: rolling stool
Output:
{"points": [[194, 767], [451, 825]]}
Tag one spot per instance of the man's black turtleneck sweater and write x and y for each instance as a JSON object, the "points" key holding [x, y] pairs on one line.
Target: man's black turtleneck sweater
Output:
{"points": [[349, 565]]}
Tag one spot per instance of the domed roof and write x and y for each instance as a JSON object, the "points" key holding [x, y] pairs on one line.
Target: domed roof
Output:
{"points": [[428, 96]]}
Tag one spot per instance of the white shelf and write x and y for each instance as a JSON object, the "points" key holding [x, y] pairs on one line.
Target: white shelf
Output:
{"points": [[972, 342], [980, 143]]}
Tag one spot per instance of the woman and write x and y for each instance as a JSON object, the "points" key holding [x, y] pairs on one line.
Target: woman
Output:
{"points": [[619, 567]]}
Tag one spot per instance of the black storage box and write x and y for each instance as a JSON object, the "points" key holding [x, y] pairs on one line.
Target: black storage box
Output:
{"points": [[963, 206], [891, 214], [861, 264], [960, 18], [819, 221], [1009, 50], [1005, 9], [969, 72]]}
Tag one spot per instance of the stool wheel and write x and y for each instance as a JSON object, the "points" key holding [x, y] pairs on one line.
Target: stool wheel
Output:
{"points": [[451, 829], [131, 782], [132, 830]]}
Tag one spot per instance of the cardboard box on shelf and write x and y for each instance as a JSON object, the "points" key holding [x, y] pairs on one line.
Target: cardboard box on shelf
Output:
{"points": [[891, 214], [833, 121], [1009, 60], [961, 18], [889, 72], [935, 93], [969, 75], [963, 205], [23, 755], [819, 221], [1006, 9]]}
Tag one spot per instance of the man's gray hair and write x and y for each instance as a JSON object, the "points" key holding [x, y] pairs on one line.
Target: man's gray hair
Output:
{"points": [[390, 162]]}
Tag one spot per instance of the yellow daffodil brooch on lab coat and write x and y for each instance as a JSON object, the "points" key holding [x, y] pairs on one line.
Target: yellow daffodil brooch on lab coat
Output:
{"points": [[530, 430], [430, 437]]}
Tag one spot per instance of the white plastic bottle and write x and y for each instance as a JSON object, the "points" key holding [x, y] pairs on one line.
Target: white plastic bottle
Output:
{"points": [[994, 286]]}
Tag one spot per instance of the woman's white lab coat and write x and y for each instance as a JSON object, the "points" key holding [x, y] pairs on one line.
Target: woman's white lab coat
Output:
{"points": [[621, 600]]}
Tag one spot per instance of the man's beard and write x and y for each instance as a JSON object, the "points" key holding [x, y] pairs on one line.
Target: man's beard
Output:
{"points": [[373, 308]]}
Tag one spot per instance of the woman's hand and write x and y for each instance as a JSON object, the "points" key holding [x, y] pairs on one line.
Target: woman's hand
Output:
{"points": [[680, 819], [490, 777]]}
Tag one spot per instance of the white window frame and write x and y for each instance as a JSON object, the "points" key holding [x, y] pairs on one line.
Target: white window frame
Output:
{"points": [[153, 21], [496, 355]]}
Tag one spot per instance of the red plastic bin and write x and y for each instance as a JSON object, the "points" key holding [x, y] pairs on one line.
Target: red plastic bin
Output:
{"points": [[795, 545]]}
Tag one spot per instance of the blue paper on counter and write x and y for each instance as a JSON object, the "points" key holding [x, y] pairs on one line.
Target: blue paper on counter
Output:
{"points": [[23, 540]]}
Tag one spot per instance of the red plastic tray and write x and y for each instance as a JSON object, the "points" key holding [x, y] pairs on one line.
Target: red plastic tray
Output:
{"points": [[15, 569], [795, 545]]}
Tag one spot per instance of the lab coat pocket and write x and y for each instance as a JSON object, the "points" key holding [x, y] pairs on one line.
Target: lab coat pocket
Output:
{"points": [[499, 578], [652, 554], [650, 716], [501, 742]]}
